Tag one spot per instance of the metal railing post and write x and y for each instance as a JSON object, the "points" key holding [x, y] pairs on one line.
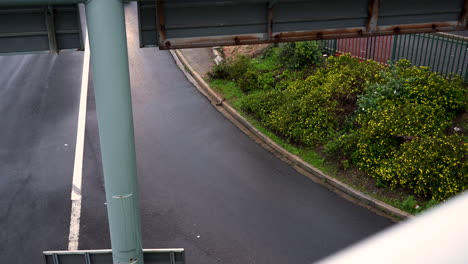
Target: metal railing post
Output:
{"points": [[394, 48], [109, 61]]}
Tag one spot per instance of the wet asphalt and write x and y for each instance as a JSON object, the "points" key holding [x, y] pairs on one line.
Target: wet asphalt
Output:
{"points": [[204, 185], [38, 117]]}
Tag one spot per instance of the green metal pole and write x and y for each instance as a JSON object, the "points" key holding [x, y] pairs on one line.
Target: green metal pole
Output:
{"points": [[429, 59], [437, 55], [393, 57], [454, 57], [462, 49], [109, 61], [442, 43]]}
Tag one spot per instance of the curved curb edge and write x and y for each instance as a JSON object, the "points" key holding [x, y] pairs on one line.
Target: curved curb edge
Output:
{"points": [[297, 163]]}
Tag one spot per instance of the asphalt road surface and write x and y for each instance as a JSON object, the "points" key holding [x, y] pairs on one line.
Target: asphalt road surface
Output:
{"points": [[204, 185], [38, 109]]}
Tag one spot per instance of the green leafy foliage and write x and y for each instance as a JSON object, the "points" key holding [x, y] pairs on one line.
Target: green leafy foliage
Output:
{"points": [[399, 137], [410, 204], [268, 61], [405, 83], [298, 55], [311, 110], [233, 69], [431, 166], [220, 71], [245, 73], [248, 80], [228, 88]]}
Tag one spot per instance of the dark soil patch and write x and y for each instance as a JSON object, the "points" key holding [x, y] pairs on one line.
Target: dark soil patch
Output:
{"points": [[459, 125]]}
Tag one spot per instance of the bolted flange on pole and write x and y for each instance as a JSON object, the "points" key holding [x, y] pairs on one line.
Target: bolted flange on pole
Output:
{"points": [[109, 61]]}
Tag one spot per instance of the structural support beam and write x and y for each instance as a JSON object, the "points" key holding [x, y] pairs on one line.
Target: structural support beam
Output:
{"points": [[109, 61], [464, 15], [161, 24], [51, 29], [371, 26], [270, 19]]}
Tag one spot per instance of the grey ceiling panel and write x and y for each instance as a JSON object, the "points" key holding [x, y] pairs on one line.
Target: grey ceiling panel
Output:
{"points": [[200, 23], [40, 28], [23, 44], [147, 24], [395, 12]]}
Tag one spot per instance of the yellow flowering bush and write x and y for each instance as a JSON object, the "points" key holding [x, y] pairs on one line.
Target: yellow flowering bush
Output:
{"points": [[400, 137], [432, 166], [405, 83], [310, 111]]}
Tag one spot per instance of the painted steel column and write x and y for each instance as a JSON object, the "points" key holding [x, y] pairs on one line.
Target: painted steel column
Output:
{"points": [[109, 61]]}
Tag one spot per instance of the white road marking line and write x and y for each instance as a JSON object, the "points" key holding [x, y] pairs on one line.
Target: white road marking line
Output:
{"points": [[73, 237]]}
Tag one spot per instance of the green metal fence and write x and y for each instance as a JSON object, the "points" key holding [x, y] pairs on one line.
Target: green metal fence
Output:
{"points": [[443, 53], [329, 45]]}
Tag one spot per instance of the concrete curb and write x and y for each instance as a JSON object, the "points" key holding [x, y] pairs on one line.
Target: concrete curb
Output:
{"points": [[218, 57], [297, 163]]}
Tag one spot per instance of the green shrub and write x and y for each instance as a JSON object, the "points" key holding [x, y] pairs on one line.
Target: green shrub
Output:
{"points": [[268, 80], [400, 124], [270, 52], [341, 146], [261, 103], [410, 119], [269, 60], [232, 69], [432, 166], [239, 66], [298, 55], [381, 133], [220, 71], [309, 111], [405, 83], [248, 80], [303, 120]]}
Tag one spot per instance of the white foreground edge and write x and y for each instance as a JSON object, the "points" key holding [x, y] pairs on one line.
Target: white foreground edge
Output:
{"points": [[437, 236]]}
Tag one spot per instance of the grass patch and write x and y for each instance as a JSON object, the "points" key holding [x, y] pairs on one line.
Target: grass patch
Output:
{"points": [[269, 61], [409, 204], [229, 89], [268, 64]]}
